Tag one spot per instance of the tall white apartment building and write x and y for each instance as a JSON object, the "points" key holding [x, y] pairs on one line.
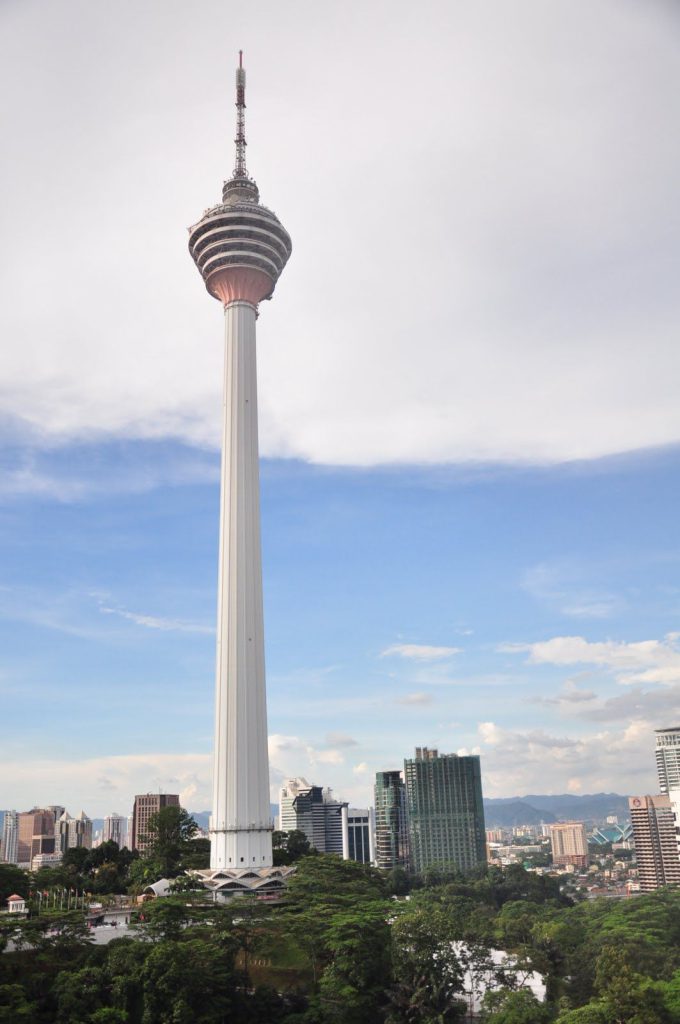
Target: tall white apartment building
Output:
{"points": [[314, 811], [10, 837], [115, 829], [668, 758]]}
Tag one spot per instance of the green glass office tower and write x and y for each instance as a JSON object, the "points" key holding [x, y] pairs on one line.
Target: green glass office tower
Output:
{"points": [[391, 833], [445, 810]]}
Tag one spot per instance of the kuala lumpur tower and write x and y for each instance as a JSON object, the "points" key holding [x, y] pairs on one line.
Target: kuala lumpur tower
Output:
{"points": [[240, 248]]}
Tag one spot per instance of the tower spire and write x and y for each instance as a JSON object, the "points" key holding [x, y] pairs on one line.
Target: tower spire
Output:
{"points": [[240, 140]]}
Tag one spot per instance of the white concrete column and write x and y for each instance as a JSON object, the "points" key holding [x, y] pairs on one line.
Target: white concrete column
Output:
{"points": [[241, 818], [345, 832]]}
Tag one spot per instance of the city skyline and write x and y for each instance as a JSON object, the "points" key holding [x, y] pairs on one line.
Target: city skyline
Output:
{"points": [[469, 542]]}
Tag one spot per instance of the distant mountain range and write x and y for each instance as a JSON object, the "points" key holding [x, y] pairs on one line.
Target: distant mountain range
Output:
{"points": [[506, 812]]}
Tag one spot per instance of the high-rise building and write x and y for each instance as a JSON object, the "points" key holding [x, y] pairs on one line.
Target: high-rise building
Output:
{"points": [[240, 249], [314, 811], [35, 834], [391, 826], [72, 833], [569, 843], [10, 837], [145, 805], [445, 810], [115, 829], [358, 828], [80, 832], [656, 847], [668, 758]]}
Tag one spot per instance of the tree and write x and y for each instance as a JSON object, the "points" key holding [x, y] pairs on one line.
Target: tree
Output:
{"points": [[163, 918], [188, 982], [79, 993], [427, 973], [352, 988], [14, 1006], [196, 855], [670, 992], [290, 847], [592, 1013], [74, 859], [627, 999], [108, 1015], [12, 880], [519, 1007], [168, 835], [336, 913], [398, 882], [125, 959]]}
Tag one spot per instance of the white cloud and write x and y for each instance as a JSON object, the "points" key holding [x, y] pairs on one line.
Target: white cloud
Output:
{"points": [[489, 733], [645, 661], [157, 622], [340, 739], [569, 695], [33, 476], [662, 704], [564, 585], [99, 784], [501, 305], [291, 756], [520, 762], [416, 699], [326, 756], [419, 652], [572, 694], [361, 768]]}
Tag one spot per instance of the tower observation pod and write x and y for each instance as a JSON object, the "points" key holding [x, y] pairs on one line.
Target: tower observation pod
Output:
{"points": [[240, 248]]}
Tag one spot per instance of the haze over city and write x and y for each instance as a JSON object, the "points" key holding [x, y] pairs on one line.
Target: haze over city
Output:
{"points": [[468, 402]]}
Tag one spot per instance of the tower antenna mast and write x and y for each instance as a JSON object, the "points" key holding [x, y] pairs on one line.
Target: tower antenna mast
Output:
{"points": [[240, 140]]}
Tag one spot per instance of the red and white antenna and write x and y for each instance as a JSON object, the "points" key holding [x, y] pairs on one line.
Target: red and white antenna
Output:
{"points": [[240, 140]]}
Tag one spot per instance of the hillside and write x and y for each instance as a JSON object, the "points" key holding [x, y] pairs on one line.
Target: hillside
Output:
{"points": [[505, 812]]}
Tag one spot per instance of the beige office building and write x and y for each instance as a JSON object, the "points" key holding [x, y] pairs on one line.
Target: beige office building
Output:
{"points": [[35, 835], [656, 846], [569, 843]]}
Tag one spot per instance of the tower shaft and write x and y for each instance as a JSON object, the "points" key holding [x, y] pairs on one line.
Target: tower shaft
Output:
{"points": [[241, 821]]}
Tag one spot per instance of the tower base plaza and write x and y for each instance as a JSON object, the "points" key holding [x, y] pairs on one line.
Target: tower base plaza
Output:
{"points": [[240, 249]]}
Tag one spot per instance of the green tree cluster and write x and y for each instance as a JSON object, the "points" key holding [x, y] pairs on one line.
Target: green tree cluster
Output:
{"points": [[290, 847], [342, 948], [103, 870]]}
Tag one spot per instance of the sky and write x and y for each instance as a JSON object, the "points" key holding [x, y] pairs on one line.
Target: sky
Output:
{"points": [[469, 425]]}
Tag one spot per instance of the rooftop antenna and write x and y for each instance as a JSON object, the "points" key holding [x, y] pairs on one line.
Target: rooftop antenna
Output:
{"points": [[240, 140]]}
